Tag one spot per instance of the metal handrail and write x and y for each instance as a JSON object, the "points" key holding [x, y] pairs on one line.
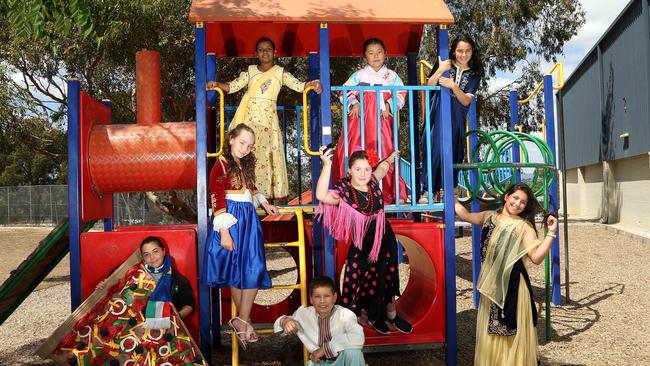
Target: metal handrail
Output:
{"points": [[305, 123], [222, 126], [560, 77]]}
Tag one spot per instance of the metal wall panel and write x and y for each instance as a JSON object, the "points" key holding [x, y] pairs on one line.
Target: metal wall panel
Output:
{"points": [[625, 80], [581, 103], [599, 108]]}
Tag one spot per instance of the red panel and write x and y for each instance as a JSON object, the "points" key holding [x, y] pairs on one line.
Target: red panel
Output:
{"points": [[299, 39], [94, 205], [275, 231], [423, 301], [103, 252]]}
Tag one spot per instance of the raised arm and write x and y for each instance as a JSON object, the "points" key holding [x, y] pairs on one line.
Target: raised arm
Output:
{"points": [[476, 218], [384, 166], [538, 252], [322, 187]]}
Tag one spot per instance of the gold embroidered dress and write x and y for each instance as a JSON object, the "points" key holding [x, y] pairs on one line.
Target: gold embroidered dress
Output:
{"points": [[258, 110]]}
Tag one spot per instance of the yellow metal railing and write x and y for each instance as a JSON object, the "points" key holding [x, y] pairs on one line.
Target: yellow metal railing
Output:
{"points": [[302, 278], [222, 126], [305, 123], [559, 86]]}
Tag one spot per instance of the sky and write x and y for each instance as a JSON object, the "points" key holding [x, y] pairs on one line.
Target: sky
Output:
{"points": [[599, 16]]}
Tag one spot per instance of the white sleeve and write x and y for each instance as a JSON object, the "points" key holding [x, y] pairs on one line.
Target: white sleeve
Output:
{"points": [[258, 199], [351, 338], [223, 221]]}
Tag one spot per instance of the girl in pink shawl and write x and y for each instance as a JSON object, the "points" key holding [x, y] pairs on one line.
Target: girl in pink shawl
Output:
{"points": [[355, 207]]}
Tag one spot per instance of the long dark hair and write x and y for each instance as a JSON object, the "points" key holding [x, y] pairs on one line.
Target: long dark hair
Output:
{"points": [[475, 64], [532, 206], [247, 163]]}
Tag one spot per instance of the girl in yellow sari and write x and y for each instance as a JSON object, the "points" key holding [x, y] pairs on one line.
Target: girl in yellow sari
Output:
{"points": [[505, 324], [258, 110]]}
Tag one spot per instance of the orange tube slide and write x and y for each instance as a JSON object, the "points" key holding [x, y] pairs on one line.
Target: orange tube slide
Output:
{"points": [[136, 158], [147, 74]]}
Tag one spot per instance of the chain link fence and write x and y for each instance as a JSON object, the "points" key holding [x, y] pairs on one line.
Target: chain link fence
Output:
{"points": [[48, 204]]}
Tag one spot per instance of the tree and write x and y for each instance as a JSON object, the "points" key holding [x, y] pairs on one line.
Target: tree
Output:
{"points": [[45, 42]]}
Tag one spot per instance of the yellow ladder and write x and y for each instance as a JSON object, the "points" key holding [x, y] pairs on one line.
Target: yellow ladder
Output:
{"points": [[301, 285]]}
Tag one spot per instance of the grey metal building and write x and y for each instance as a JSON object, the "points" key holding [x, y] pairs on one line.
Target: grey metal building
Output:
{"points": [[606, 110]]}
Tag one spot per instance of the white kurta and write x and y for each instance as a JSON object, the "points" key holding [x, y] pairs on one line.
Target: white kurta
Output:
{"points": [[335, 333]]}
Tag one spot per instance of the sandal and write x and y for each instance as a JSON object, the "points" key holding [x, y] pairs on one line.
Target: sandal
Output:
{"points": [[250, 332], [242, 336]]}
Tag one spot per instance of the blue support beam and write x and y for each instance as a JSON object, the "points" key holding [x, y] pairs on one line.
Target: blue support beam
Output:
{"points": [[211, 128], [514, 121], [326, 130], [412, 74], [200, 70], [475, 207], [314, 139], [451, 334], [549, 115], [74, 196]]}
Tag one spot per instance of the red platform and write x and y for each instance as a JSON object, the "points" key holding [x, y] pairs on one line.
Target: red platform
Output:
{"points": [[423, 300], [103, 252]]}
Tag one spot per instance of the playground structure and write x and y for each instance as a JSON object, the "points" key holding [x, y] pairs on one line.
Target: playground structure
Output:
{"points": [[150, 155]]}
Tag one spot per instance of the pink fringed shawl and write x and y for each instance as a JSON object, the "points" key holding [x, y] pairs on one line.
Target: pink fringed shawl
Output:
{"points": [[344, 220]]}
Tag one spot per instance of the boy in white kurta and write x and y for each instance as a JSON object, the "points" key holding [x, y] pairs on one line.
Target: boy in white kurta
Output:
{"points": [[330, 332]]}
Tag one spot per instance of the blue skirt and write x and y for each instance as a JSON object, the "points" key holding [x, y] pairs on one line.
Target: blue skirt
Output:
{"points": [[244, 267]]}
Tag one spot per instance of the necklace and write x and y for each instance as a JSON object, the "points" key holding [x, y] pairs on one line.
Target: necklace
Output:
{"points": [[369, 206]]}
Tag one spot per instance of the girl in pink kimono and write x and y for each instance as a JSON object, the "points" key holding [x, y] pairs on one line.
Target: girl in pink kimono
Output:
{"points": [[375, 73]]}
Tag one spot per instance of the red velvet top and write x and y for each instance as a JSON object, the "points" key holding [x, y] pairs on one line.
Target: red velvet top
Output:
{"points": [[225, 181]]}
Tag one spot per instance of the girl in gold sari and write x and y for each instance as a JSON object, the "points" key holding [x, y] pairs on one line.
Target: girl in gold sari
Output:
{"points": [[258, 110], [505, 325]]}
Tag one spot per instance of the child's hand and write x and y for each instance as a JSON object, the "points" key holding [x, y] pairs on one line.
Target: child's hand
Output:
{"points": [[290, 326], [270, 209], [316, 84], [386, 112], [101, 285], [354, 110], [391, 158], [446, 82], [325, 155], [317, 355], [551, 224], [226, 240], [443, 65]]}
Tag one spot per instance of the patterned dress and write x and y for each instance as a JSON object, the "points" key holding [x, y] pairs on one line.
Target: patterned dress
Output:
{"points": [[468, 81], [371, 272], [259, 111]]}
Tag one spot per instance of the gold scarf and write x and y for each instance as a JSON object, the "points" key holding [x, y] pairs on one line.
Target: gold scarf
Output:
{"points": [[240, 114], [505, 247]]}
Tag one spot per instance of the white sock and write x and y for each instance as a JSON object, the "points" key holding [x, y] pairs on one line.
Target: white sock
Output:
{"points": [[392, 314]]}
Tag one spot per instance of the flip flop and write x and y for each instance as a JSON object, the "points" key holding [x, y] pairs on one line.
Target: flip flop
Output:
{"points": [[239, 335]]}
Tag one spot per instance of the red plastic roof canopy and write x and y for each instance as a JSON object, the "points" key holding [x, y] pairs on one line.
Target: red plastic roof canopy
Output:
{"points": [[233, 27]]}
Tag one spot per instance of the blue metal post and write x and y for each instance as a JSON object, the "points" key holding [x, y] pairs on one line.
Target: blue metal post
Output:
{"points": [[476, 229], [314, 138], [549, 114], [200, 69], [108, 221], [448, 184], [514, 121], [211, 141], [74, 197], [412, 74], [326, 129]]}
